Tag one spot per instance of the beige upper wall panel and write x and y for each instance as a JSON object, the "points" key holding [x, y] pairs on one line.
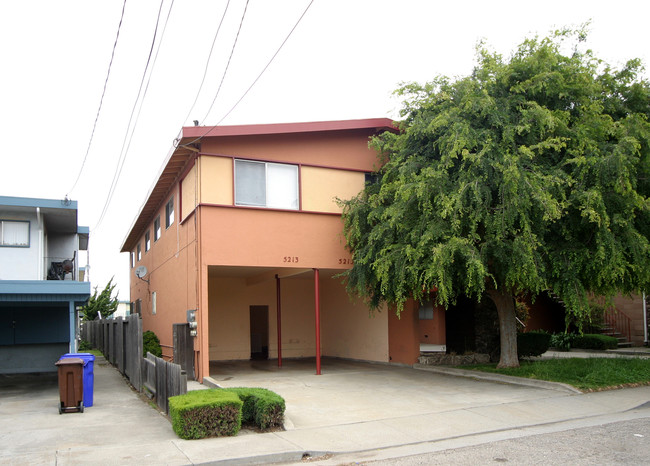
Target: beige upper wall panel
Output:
{"points": [[321, 186], [216, 180], [188, 192]]}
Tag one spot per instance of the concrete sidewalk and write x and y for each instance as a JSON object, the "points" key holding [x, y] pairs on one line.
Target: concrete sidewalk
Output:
{"points": [[357, 411]]}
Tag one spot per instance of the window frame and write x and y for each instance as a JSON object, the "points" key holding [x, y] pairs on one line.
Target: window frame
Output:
{"points": [[268, 185], [157, 231], [139, 252], [147, 241], [169, 213], [10, 245]]}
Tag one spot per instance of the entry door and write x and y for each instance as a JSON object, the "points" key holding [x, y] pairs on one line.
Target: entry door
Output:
{"points": [[259, 324]]}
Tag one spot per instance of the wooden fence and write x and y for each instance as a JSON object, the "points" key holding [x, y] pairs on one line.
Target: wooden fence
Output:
{"points": [[120, 340], [163, 379]]}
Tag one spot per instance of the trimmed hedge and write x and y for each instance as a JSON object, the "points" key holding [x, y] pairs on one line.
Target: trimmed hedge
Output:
{"points": [[262, 407], [594, 341], [534, 343], [220, 412], [205, 413]]}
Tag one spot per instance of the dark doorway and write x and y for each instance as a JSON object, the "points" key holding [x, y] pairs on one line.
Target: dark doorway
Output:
{"points": [[259, 316]]}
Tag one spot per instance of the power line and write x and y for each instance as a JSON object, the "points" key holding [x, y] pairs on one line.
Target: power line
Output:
{"points": [[123, 151], [207, 63], [268, 64], [258, 76], [101, 100], [232, 51]]}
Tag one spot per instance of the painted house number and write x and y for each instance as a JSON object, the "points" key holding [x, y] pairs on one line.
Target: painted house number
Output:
{"points": [[293, 259], [346, 261]]}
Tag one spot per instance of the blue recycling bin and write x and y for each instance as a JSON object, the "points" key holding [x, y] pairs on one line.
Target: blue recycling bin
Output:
{"points": [[88, 375]]}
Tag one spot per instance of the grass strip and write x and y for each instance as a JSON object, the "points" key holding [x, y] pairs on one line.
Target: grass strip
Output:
{"points": [[586, 374]]}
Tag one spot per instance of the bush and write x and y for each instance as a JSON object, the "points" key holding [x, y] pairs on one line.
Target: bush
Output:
{"points": [[262, 407], [151, 344], [84, 346], [595, 342], [205, 413], [533, 343], [561, 341]]}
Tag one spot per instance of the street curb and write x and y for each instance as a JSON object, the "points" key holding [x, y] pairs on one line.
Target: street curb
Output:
{"points": [[490, 377]]}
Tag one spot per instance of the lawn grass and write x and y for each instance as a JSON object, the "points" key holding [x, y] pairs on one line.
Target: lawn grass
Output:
{"points": [[585, 374]]}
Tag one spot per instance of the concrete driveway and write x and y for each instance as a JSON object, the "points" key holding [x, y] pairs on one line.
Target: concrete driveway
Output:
{"points": [[358, 410]]}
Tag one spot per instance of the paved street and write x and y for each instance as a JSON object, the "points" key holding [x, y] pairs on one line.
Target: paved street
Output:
{"points": [[618, 443]]}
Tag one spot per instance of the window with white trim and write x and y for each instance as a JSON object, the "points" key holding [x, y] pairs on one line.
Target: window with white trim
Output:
{"points": [[169, 213], [266, 184], [139, 253], [147, 241], [14, 233], [156, 228], [154, 305]]}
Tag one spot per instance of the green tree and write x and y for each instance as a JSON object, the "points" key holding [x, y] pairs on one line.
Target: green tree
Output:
{"points": [[531, 174], [102, 303]]}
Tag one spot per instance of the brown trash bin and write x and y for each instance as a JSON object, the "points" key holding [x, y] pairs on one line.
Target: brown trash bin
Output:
{"points": [[70, 385]]}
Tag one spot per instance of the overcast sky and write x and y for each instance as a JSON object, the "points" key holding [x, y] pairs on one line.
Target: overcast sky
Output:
{"points": [[342, 61]]}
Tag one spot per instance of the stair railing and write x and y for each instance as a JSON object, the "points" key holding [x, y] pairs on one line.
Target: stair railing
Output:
{"points": [[619, 322]]}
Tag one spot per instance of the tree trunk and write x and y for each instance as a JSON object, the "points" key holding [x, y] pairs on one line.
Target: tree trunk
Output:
{"points": [[507, 328]]}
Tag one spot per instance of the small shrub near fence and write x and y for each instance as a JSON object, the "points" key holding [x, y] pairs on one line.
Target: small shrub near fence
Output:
{"points": [[207, 413], [533, 343], [594, 342]]}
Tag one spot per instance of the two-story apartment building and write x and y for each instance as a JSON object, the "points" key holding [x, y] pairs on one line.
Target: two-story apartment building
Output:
{"points": [[242, 226], [40, 288]]}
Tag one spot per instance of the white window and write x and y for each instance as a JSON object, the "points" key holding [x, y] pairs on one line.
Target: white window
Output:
{"points": [[14, 233], [139, 253], [153, 302], [156, 228], [169, 213], [147, 241], [265, 184]]}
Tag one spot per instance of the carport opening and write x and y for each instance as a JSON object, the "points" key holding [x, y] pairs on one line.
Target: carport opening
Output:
{"points": [[259, 325]]}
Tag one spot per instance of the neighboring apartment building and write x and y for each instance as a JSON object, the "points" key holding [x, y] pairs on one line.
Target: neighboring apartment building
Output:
{"points": [[242, 226], [40, 288]]}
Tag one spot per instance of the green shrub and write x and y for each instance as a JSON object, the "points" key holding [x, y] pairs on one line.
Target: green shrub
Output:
{"points": [[262, 407], [84, 346], [594, 341], [151, 344], [533, 343], [561, 341], [205, 413]]}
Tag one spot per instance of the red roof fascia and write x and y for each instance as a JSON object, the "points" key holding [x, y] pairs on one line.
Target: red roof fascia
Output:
{"points": [[379, 124]]}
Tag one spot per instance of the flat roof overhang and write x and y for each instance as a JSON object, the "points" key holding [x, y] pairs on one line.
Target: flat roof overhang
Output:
{"points": [[20, 291]]}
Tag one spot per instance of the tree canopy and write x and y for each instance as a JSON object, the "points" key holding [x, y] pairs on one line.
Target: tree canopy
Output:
{"points": [[103, 303], [530, 174]]}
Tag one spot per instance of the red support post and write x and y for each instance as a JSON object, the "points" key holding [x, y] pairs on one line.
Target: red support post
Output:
{"points": [[317, 305], [279, 314]]}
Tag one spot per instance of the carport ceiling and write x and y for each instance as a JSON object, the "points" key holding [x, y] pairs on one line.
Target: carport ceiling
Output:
{"points": [[258, 274]]}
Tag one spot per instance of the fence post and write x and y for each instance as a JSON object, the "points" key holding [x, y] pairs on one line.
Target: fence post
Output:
{"points": [[184, 348]]}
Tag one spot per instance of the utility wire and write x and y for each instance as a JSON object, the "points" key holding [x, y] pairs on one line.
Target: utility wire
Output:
{"points": [[207, 63], [267, 65], [257, 78], [101, 100], [123, 152], [232, 51]]}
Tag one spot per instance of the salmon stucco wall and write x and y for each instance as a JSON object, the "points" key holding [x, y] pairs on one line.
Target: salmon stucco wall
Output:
{"points": [[171, 273], [229, 319], [403, 335], [348, 329], [267, 238]]}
